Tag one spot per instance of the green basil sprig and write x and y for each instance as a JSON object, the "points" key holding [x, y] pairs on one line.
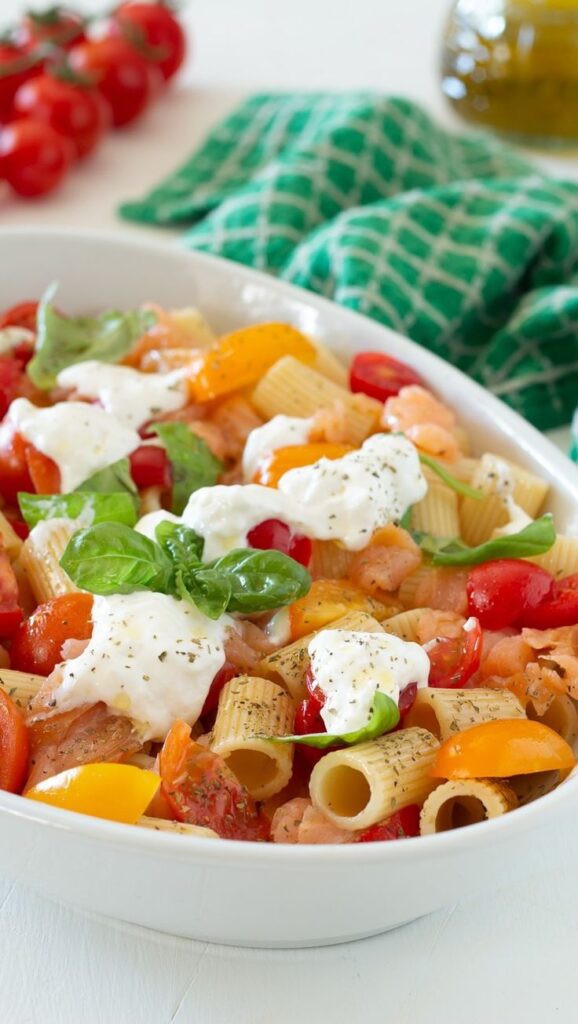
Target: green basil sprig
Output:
{"points": [[112, 479], [104, 508], [535, 539], [192, 462], [62, 341], [456, 485], [384, 718], [110, 558]]}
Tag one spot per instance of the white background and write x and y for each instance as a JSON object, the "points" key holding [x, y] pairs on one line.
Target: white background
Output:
{"points": [[508, 955]]}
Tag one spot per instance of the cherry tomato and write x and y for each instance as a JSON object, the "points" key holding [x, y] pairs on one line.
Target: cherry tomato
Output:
{"points": [[22, 315], [308, 720], [227, 672], [154, 31], [18, 525], [37, 643], [44, 472], [380, 376], [74, 109], [401, 825], [85, 735], [16, 67], [559, 609], [14, 746], [33, 157], [14, 474], [454, 661], [150, 467], [502, 593], [274, 535], [121, 75], [10, 610], [501, 748], [58, 25], [10, 376], [202, 790], [406, 700]]}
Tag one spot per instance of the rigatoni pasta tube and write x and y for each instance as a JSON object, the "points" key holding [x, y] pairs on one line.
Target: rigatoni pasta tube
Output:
{"points": [[9, 539], [405, 625], [464, 802], [40, 558], [408, 589], [437, 513], [479, 519], [561, 716], [176, 827], [20, 686], [249, 709], [294, 389], [562, 558], [288, 665], [447, 711], [361, 785]]}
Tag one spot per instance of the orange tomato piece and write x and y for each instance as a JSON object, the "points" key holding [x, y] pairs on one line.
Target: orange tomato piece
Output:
{"points": [[328, 600], [44, 472], [274, 464], [37, 643], [118, 792], [14, 746], [239, 359], [497, 750]]}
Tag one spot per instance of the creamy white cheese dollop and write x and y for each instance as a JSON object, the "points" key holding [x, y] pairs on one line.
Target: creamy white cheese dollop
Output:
{"points": [[497, 478], [151, 658], [80, 438], [350, 667], [277, 433], [345, 499], [131, 396]]}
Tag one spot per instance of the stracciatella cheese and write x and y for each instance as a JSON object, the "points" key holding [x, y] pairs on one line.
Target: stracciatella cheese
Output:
{"points": [[132, 397]]}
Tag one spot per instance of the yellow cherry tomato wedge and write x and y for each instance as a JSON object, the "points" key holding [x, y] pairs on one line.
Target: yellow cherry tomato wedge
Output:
{"points": [[497, 750], [239, 359], [275, 464], [328, 600], [119, 792]]}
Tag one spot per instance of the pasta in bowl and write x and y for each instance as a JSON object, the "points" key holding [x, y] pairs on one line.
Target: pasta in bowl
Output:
{"points": [[269, 595]]}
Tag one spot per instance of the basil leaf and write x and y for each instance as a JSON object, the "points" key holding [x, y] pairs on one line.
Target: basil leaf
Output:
{"points": [[405, 520], [208, 589], [105, 508], [192, 461], [456, 485], [183, 546], [262, 580], [114, 478], [62, 341], [534, 539], [384, 718], [110, 558]]}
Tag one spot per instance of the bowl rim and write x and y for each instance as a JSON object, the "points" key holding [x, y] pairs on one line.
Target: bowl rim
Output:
{"points": [[498, 829]]}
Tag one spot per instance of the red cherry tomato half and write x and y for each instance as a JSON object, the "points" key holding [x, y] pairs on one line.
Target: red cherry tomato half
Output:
{"points": [[407, 699], [14, 746], [150, 467], [454, 661], [44, 472], [401, 825], [274, 535], [121, 75], [154, 31], [37, 644], [14, 473], [33, 157], [308, 720], [504, 592], [10, 611], [76, 111], [57, 25], [10, 376], [22, 315], [16, 67], [380, 376], [559, 609], [227, 672]]}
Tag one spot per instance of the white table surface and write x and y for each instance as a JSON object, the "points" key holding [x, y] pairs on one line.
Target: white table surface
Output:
{"points": [[504, 956]]}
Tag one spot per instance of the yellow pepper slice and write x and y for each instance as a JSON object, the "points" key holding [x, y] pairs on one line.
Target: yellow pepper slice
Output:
{"points": [[273, 465], [119, 792], [240, 359]]}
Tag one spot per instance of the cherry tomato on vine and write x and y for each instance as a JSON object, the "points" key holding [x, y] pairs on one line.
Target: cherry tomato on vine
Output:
{"points": [[155, 32], [380, 376], [123, 78], [454, 660], [58, 25], [16, 67], [70, 106], [33, 157]]}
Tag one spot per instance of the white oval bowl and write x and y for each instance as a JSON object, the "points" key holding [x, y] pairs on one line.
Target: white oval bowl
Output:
{"points": [[244, 893]]}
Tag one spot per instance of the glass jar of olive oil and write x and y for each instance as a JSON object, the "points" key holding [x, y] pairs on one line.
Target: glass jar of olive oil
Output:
{"points": [[513, 65]]}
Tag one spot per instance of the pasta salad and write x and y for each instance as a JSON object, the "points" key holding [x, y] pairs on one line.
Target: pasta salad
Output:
{"points": [[249, 592]]}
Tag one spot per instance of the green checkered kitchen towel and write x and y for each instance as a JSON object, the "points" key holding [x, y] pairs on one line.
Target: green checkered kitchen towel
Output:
{"points": [[455, 241]]}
